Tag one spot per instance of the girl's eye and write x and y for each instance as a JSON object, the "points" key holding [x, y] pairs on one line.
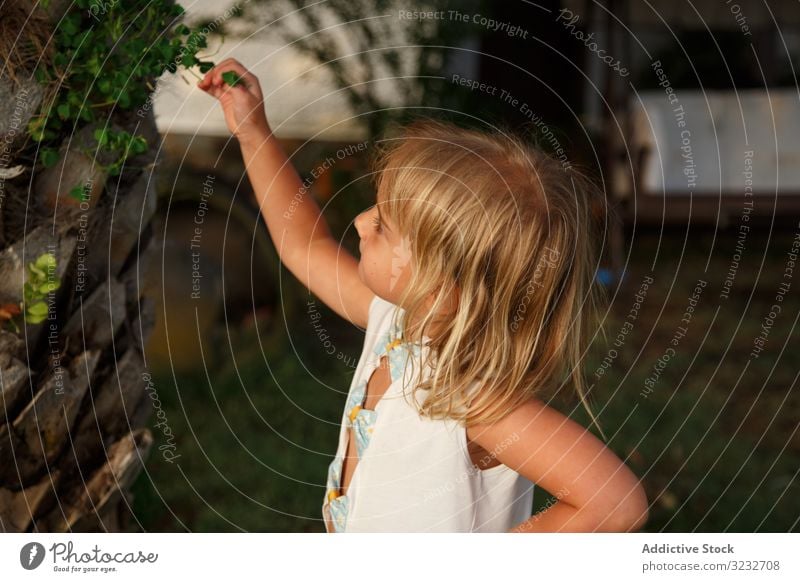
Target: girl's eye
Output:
{"points": [[376, 221]]}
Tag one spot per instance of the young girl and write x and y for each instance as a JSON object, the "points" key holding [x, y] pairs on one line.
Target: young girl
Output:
{"points": [[475, 288]]}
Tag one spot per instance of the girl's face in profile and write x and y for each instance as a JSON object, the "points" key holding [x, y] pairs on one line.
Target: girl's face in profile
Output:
{"points": [[385, 255]]}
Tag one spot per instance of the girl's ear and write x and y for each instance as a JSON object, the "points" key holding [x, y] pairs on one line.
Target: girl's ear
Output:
{"points": [[451, 301], [453, 298]]}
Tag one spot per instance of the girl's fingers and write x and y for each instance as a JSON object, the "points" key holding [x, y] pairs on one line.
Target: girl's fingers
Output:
{"points": [[206, 80], [223, 67], [215, 74], [210, 89], [229, 65], [212, 81]]}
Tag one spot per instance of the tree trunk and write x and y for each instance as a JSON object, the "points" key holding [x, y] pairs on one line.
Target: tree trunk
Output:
{"points": [[74, 393]]}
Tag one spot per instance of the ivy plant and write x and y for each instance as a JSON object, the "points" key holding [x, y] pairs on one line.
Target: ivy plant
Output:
{"points": [[107, 60]]}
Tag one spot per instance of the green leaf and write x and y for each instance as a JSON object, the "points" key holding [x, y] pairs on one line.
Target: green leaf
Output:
{"points": [[77, 193], [205, 66], [46, 261], [139, 145], [49, 157], [81, 40], [118, 139], [48, 287], [34, 319], [136, 47], [36, 128], [101, 135], [69, 24], [74, 99], [232, 78], [27, 295], [53, 125], [188, 60], [165, 51], [36, 273], [39, 308]]}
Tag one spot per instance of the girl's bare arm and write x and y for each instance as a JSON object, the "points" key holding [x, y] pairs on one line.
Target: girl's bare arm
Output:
{"points": [[594, 489], [294, 221]]}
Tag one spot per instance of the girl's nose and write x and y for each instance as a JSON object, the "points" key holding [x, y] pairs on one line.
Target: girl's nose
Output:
{"points": [[360, 222]]}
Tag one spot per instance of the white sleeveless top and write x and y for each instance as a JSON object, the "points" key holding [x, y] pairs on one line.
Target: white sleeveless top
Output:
{"points": [[416, 474]]}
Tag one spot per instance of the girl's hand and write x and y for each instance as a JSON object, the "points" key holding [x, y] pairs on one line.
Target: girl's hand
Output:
{"points": [[243, 105]]}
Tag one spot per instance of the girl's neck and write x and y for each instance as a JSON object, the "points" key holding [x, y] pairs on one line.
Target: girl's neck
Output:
{"points": [[435, 327]]}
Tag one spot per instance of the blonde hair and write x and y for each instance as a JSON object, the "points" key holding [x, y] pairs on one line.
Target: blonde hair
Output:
{"points": [[509, 231]]}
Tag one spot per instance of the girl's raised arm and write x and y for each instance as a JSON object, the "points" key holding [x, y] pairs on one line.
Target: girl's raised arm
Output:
{"points": [[294, 221]]}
